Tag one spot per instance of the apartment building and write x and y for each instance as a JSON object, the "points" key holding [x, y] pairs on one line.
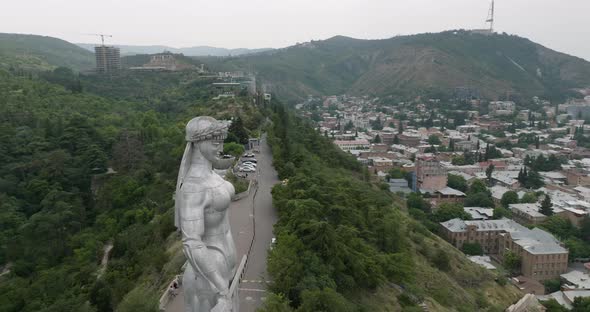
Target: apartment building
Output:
{"points": [[108, 59], [430, 175], [542, 256], [527, 214]]}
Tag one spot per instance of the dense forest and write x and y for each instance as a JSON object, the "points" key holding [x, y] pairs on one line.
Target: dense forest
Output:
{"points": [[90, 162], [346, 244]]}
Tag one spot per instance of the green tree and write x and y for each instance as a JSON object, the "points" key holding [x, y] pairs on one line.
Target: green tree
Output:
{"points": [[472, 249], [553, 306], [140, 299], [581, 304], [479, 200], [585, 228], [546, 206], [448, 211], [552, 285], [512, 262], [510, 197], [416, 201], [501, 212], [349, 126], [237, 132], [442, 261], [529, 198], [489, 172], [377, 139], [100, 296], [396, 173], [377, 124], [233, 148], [327, 300], [478, 186], [430, 149], [458, 160], [434, 140], [457, 182], [276, 303]]}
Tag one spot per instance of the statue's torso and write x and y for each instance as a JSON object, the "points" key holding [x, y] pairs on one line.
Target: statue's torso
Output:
{"points": [[217, 232]]}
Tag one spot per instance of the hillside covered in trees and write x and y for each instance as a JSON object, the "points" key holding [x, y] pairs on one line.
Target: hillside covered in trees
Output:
{"points": [[32, 52], [61, 207], [405, 66], [346, 244]]}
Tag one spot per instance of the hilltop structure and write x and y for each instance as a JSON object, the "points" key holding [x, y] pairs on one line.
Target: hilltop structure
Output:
{"points": [[164, 61]]}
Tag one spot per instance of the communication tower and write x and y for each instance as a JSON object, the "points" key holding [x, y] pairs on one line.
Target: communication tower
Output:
{"points": [[490, 18]]}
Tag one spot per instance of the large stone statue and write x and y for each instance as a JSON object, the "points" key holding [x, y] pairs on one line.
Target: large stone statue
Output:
{"points": [[202, 200]]}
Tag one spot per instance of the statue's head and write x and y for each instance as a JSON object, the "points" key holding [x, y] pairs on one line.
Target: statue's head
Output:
{"points": [[207, 134]]}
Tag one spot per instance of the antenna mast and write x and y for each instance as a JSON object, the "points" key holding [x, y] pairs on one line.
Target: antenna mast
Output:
{"points": [[490, 18]]}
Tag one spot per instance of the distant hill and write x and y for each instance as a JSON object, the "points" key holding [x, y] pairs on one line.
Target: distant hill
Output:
{"points": [[189, 51], [413, 65], [34, 52]]}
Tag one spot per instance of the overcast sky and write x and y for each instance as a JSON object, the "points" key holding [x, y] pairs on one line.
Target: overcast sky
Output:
{"points": [[562, 25]]}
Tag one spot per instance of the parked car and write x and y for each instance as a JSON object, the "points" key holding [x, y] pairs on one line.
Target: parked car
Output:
{"points": [[248, 163], [273, 241], [247, 169], [248, 155]]}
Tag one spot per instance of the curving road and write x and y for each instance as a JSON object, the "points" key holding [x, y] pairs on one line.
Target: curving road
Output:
{"points": [[253, 286]]}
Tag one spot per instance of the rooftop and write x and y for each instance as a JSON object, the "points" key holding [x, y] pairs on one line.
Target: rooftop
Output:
{"points": [[529, 209], [579, 280], [484, 261], [451, 192], [479, 213], [504, 224], [535, 241]]}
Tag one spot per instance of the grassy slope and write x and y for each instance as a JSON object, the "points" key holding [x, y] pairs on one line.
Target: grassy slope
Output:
{"points": [[420, 62], [465, 287], [34, 52]]}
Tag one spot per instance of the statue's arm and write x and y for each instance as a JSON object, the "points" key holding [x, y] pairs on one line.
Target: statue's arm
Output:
{"points": [[192, 226]]}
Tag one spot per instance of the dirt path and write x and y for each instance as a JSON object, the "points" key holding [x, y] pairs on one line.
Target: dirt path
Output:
{"points": [[106, 252]]}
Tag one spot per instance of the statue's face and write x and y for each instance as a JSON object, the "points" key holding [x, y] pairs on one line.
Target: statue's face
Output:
{"points": [[211, 149]]}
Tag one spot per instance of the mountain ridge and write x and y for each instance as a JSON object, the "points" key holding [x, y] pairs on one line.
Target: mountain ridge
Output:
{"points": [[34, 52], [430, 63], [203, 50]]}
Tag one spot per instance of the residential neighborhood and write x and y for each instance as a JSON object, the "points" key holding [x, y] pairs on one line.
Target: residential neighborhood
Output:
{"points": [[507, 183]]}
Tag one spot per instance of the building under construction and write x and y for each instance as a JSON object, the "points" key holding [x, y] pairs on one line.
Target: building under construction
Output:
{"points": [[108, 59]]}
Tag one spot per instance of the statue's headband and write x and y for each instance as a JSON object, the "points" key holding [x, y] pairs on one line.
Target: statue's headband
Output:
{"points": [[215, 131]]}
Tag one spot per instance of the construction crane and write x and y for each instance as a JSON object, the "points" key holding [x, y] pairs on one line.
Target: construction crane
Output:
{"points": [[101, 36], [490, 18]]}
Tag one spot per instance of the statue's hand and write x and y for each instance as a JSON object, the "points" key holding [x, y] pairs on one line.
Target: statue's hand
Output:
{"points": [[224, 304]]}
